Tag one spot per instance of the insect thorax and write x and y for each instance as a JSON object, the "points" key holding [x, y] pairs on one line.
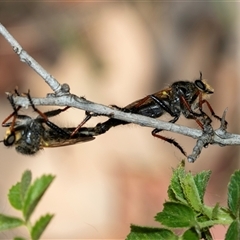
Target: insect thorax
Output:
{"points": [[31, 136]]}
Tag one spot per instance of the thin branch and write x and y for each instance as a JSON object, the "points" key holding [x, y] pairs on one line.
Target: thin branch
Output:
{"points": [[62, 97], [221, 138]]}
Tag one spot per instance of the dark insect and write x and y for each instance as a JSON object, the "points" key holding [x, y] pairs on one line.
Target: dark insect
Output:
{"points": [[182, 97], [29, 135]]}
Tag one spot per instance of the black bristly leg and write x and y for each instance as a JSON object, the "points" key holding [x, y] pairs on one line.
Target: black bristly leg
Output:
{"points": [[169, 140], [155, 131]]}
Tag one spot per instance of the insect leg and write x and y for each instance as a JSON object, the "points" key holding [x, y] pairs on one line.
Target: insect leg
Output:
{"points": [[50, 114], [15, 111], [169, 140], [212, 111], [54, 112], [191, 114], [87, 118], [14, 114]]}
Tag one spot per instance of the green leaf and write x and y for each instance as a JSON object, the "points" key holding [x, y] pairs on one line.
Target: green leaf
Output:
{"points": [[225, 216], [215, 211], [190, 234], [171, 194], [34, 194], [7, 222], [14, 196], [17, 192], [175, 191], [25, 182], [191, 192], [19, 238], [233, 231], [146, 233], [40, 226], [234, 194], [176, 215], [201, 180]]}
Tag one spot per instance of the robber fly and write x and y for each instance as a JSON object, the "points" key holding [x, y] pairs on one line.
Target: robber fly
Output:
{"points": [[29, 135], [182, 97]]}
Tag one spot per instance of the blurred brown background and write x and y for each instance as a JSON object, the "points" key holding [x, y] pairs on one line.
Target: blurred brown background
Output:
{"points": [[116, 53]]}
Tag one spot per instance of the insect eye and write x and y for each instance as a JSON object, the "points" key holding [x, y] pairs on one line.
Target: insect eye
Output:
{"points": [[10, 140], [200, 85]]}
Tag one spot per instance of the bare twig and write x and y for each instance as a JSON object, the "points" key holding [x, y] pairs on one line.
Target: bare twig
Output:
{"points": [[220, 138], [62, 97]]}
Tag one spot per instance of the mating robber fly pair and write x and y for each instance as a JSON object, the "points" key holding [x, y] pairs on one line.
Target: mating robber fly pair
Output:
{"points": [[29, 135]]}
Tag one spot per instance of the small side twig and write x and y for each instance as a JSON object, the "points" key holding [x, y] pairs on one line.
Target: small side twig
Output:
{"points": [[203, 141], [207, 137]]}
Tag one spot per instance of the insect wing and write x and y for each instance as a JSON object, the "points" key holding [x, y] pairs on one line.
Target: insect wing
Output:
{"points": [[163, 94], [52, 138], [60, 142]]}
